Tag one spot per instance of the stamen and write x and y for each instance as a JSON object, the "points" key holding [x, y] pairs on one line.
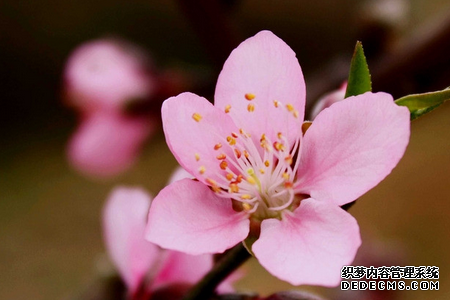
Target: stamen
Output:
{"points": [[246, 197], [239, 178], [233, 188], [249, 96], [197, 117], [223, 165], [246, 206], [217, 146], [234, 134], [202, 170], [227, 108], [262, 171], [288, 159], [230, 176], [221, 156], [267, 163], [197, 157], [278, 146], [290, 107], [288, 184], [286, 175], [276, 103], [237, 152], [251, 180], [231, 140], [251, 107]]}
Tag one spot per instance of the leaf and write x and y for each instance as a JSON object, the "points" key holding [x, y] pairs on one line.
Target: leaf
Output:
{"points": [[420, 104], [359, 80]]}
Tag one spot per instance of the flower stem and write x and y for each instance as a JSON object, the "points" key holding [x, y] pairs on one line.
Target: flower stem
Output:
{"points": [[235, 257]]}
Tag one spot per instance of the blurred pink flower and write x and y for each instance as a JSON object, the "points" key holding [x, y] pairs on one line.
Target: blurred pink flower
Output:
{"points": [[328, 99], [106, 74], [141, 264], [103, 78], [255, 167], [106, 143]]}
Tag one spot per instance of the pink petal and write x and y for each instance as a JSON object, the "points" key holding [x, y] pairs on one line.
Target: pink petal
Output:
{"points": [[179, 174], [124, 219], [187, 216], [265, 66], [328, 99], [193, 127], [105, 74], [179, 267], [310, 245], [352, 146], [107, 144]]}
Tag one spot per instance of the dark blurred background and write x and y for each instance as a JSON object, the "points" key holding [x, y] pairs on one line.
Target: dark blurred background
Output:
{"points": [[50, 237]]}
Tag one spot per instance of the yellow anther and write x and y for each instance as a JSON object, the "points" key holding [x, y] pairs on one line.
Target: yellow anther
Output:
{"points": [[221, 156], [246, 206], [230, 176], [202, 170], [249, 96], [238, 153], [246, 154], [239, 178], [233, 188], [231, 140], [262, 171], [290, 107], [280, 136], [263, 137], [197, 157], [295, 113], [267, 163], [251, 107], [246, 197], [288, 159], [288, 184], [251, 180], [276, 103], [227, 108], [223, 165], [217, 146], [278, 146], [285, 176], [215, 188], [197, 117], [211, 181]]}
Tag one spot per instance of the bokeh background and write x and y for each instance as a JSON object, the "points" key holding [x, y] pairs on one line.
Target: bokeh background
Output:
{"points": [[50, 235]]}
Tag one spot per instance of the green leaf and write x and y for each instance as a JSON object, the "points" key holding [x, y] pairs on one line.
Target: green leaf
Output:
{"points": [[359, 77], [420, 104]]}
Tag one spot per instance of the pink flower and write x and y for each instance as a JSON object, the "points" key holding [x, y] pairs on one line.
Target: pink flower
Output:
{"points": [[328, 99], [255, 168], [106, 74], [101, 78], [106, 144], [138, 261]]}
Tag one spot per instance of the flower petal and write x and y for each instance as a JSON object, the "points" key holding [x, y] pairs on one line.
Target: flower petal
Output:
{"points": [[310, 245], [179, 267], [265, 67], [178, 174], [187, 216], [352, 146], [124, 218], [193, 127], [107, 144]]}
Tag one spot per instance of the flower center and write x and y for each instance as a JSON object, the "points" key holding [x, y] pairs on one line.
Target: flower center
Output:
{"points": [[260, 177]]}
